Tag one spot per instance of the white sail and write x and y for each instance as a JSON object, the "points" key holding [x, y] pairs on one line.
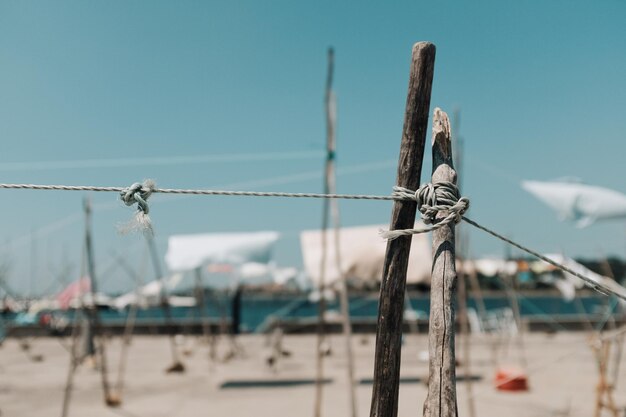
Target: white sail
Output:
{"points": [[577, 202]]}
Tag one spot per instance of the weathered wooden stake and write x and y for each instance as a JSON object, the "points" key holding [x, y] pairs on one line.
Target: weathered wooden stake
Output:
{"points": [[321, 310], [333, 204], [441, 399], [391, 303], [201, 305], [94, 322], [462, 246], [605, 387], [177, 366], [465, 343]]}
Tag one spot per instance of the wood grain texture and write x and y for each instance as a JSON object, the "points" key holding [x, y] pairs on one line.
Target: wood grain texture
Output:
{"points": [[441, 399], [393, 285]]}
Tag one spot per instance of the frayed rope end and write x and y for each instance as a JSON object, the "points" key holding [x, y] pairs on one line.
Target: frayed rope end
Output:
{"points": [[140, 222], [138, 193], [390, 234]]}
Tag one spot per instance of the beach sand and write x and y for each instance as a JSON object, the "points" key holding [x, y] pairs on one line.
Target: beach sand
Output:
{"points": [[562, 377]]}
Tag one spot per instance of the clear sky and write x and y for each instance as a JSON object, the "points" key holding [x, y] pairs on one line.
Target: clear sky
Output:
{"points": [[541, 87]]}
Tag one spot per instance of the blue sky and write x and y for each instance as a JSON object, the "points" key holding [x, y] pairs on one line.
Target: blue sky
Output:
{"points": [[540, 85]]}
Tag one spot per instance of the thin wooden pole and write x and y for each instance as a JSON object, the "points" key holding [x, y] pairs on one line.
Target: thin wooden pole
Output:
{"points": [[466, 338], [321, 337], [74, 359], [604, 388], [511, 291], [331, 179], [477, 294], [393, 285], [441, 399], [177, 365], [462, 250], [609, 300], [69, 382], [200, 305], [95, 324], [328, 171], [131, 318]]}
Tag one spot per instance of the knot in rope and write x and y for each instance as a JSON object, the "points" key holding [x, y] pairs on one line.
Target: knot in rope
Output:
{"points": [[440, 196], [431, 199], [138, 193]]}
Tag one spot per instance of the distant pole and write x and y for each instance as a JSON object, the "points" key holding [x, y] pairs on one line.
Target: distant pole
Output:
{"points": [[177, 365], [200, 304], [69, 382], [462, 248], [331, 179], [94, 316], [131, 317], [330, 156], [511, 290], [393, 285], [465, 339], [33, 264], [441, 399], [477, 294]]}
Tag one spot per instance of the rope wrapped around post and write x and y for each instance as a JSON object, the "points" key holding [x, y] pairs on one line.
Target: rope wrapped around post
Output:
{"points": [[138, 193], [431, 199]]}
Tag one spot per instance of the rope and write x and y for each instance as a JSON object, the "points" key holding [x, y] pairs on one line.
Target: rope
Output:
{"points": [[599, 287], [431, 199], [138, 193], [201, 192], [444, 196]]}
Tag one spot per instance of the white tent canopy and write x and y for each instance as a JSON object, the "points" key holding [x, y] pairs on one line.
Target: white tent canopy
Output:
{"points": [[362, 252], [188, 252], [578, 202]]}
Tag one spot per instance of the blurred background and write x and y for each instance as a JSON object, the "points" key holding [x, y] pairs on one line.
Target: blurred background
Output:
{"points": [[230, 95]]}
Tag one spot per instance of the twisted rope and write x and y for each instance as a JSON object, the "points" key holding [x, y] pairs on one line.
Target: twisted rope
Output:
{"points": [[202, 192], [431, 199], [612, 289], [138, 193]]}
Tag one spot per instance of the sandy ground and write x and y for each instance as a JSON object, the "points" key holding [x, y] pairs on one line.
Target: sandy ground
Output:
{"points": [[562, 374]]}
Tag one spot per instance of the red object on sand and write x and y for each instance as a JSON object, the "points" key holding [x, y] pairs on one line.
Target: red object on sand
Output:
{"points": [[511, 379]]}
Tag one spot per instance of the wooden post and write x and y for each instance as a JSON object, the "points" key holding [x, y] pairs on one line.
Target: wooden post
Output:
{"points": [[201, 305], [604, 388], [462, 249], [393, 285], [94, 322], [131, 318], [477, 294], [74, 360], [466, 339], [331, 180], [511, 291], [441, 399], [177, 365]]}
